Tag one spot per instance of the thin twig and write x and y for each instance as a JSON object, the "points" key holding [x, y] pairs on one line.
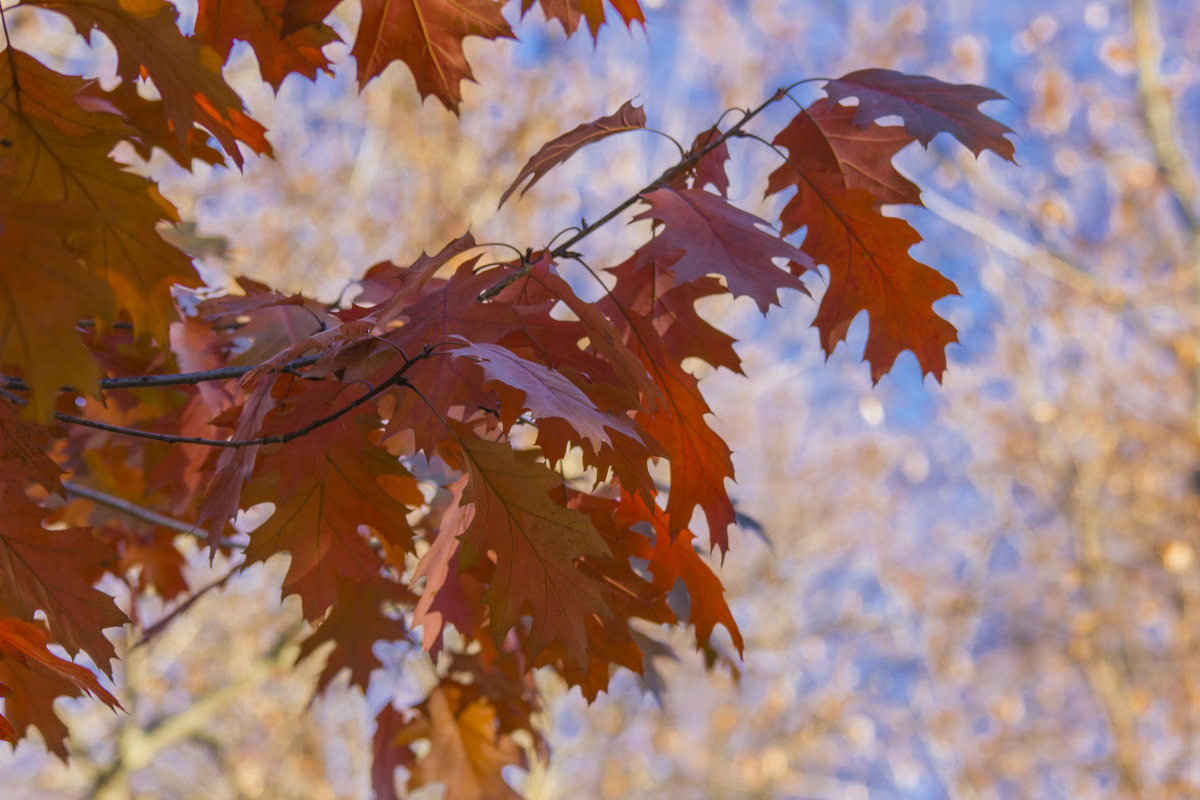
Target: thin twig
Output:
{"points": [[667, 175], [397, 379], [159, 381], [126, 507]]}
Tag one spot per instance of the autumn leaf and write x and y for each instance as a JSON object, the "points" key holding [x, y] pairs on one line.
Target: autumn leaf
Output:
{"points": [[260, 24], [443, 598], [389, 288], [467, 752], [49, 570], [148, 126], [569, 12], [299, 14], [869, 268], [325, 486], [700, 460], [427, 35], [650, 291], [535, 541], [44, 290], [927, 106], [186, 72], [709, 168], [626, 118], [526, 385], [704, 234], [386, 758], [825, 139], [31, 677], [670, 559], [58, 154], [362, 615]]}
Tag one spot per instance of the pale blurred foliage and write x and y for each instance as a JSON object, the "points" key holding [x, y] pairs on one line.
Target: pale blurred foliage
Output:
{"points": [[982, 589]]}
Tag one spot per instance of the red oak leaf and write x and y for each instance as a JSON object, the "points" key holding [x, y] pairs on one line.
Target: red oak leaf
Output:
{"points": [[700, 460], [186, 72], [709, 169], [522, 384], [31, 677], [650, 292], [444, 598], [557, 150], [325, 487], [260, 24], [467, 752], [299, 14], [704, 234], [672, 559], [568, 12], [50, 571], [56, 163], [927, 106], [536, 542], [427, 35], [824, 138], [359, 618], [869, 268]]}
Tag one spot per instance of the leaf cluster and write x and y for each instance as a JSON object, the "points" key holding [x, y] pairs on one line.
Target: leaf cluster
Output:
{"points": [[413, 443]]}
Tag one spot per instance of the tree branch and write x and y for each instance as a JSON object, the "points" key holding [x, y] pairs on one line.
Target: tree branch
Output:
{"points": [[158, 381], [397, 379], [670, 172], [1159, 112], [126, 507]]}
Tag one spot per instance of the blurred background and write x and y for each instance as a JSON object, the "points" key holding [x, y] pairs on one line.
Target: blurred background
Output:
{"points": [[981, 589]]}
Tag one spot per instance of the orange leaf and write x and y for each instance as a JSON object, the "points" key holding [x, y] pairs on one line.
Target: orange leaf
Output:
{"points": [[869, 269], [31, 677], [467, 752], [260, 24], [186, 72], [50, 571], [427, 35], [58, 155], [672, 559]]}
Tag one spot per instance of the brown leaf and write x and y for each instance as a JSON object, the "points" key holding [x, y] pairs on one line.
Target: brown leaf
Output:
{"points": [[31, 678], [522, 384], [824, 138], [103, 228], [260, 24], [49, 570], [556, 151], [869, 268], [927, 106], [568, 13], [536, 542], [427, 35], [467, 752]]}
